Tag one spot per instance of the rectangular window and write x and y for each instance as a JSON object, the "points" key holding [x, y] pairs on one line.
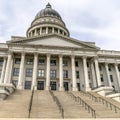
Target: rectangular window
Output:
{"points": [[29, 72], [41, 62], [15, 82], [119, 68], [65, 63], [77, 75], [53, 62], [17, 60], [76, 64], [101, 77], [100, 67], [16, 72], [27, 84], [111, 78], [65, 74], [41, 73], [109, 68], [53, 73], [1, 62], [29, 61], [87, 64]]}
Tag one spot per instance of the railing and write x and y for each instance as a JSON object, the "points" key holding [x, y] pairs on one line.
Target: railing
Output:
{"points": [[30, 104], [106, 103], [84, 104], [58, 103]]}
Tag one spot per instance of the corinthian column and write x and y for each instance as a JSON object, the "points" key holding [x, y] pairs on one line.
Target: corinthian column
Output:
{"points": [[97, 72], [61, 72], [87, 86], [48, 73], [34, 84], [21, 73], [3, 70], [74, 82], [8, 66]]}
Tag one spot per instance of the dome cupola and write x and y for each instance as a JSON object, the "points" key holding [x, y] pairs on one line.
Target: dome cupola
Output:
{"points": [[47, 21]]}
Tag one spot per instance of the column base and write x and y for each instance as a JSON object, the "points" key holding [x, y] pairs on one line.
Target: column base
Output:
{"points": [[20, 87], [87, 89], [35, 87], [47, 88], [61, 89], [74, 89]]}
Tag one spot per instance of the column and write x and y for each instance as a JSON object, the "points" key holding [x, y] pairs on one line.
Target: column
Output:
{"points": [[40, 31], [87, 86], [7, 72], [46, 30], [53, 30], [34, 80], [3, 70], [35, 34], [61, 72], [108, 75], [74, 82], [93, 75], [97, 72], [48, 72], [11, 70], [21, 72], [118, 77]]}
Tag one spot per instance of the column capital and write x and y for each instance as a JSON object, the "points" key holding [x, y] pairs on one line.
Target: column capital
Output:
{"points": [[36, 54], [48, 54], [23, 53], [10, 52], [60, 55], [72, 56], [95, 57], [84, 57]]}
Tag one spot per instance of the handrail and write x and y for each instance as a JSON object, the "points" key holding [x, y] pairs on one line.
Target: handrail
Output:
{"points": [[30, 103], [58, 103], [93, 97], [84, 104], [107, 103]]}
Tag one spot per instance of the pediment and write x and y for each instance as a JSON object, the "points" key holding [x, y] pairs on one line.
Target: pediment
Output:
{"points": [[59, 42]]}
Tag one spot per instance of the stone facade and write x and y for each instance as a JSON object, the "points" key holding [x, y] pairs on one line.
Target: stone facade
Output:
{"points": [[48, 58]]}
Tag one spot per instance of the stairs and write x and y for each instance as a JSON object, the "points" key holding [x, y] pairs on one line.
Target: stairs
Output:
{"points": [[43, 106], [71, 108], [101, 110], [16, 105]]}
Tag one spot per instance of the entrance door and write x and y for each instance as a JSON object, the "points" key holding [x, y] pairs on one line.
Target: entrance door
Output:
{"points": [[78, 86], [66, 86], [53, 85], [40, 85]]}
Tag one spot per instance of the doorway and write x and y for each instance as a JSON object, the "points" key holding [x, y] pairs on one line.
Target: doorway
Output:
{"points": [[66, 86], [53, 85], [78, 86], [40, 85]]}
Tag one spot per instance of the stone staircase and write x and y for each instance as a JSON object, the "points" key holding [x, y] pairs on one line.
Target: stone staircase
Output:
{"points": [[43, 106], [71, 108], [16, 105], [101, 110]]}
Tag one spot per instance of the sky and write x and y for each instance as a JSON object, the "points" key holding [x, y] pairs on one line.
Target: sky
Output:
{"points": [[87, 20]]}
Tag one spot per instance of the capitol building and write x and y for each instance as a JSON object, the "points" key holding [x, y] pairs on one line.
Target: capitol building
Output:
{"points": [[49, 59]]}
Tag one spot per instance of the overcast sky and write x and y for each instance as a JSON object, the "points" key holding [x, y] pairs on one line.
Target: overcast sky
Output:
{"points": [[87, 20]]}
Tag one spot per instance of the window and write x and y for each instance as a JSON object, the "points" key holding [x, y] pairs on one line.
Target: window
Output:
{"points": [[49, 30], [41, 73], [53, 73], [55, 30], [17, 60], [44, 30], [109, 68], [101, 77], [119, 68], [41, 62], [16, 72], [77, 74], [29, 61], [28, 72], [53, 62], [15, 82], [111, 78], [27, 84], [87, 64], [76, 64], [65, 74], [1, 62], [65, 63]]}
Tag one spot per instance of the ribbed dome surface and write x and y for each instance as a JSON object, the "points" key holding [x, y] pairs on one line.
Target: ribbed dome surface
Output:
{"points": [[48, 11]]}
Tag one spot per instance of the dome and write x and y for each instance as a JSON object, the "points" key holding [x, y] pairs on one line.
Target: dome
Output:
{"points": [[48, 11]]}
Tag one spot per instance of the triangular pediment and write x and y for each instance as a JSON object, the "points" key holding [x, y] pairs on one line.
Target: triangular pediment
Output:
{"points": [[58, 42]]}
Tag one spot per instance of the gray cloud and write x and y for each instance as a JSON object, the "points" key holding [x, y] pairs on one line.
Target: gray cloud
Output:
{"points": [[89, 20]]}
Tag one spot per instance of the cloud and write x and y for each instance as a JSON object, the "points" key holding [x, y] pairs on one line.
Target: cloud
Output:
{"points": [[89, 20]]}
